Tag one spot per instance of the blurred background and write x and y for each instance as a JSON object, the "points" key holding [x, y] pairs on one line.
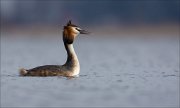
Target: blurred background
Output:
{"points": [[131, 57], [104, 16]]}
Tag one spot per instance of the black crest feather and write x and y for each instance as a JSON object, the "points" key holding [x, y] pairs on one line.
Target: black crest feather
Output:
{"points": [[69, 23]]}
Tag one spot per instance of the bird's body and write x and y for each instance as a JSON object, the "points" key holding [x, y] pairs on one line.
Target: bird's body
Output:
{"points": [[71, 67], [50, 70]]}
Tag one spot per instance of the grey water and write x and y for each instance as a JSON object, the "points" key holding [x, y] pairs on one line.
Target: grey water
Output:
{"points": [[114, 72]]}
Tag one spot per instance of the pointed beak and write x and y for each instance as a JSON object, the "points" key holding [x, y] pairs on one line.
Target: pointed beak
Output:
{"points": [[84, 32]]}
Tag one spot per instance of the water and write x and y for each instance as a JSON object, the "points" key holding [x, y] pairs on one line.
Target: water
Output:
{"points": [[114, 72]]}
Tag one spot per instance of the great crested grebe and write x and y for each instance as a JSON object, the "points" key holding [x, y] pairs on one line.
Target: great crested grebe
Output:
{"points": [[71, 67]]}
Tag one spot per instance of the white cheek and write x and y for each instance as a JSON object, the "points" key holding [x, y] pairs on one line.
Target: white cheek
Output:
{"points": [[75, 31]]}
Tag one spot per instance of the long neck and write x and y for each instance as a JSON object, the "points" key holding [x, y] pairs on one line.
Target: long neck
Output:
{"points": [[72, 59]]}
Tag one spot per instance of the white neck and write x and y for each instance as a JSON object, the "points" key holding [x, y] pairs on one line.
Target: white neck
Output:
{"points": [[71, 49], [72, 60]]}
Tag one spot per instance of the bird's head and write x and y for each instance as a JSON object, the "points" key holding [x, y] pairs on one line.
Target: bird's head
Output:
{"points": [[71, 31]]}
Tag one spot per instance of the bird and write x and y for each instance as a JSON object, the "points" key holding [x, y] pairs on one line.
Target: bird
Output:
{"points": [[71, 67]]}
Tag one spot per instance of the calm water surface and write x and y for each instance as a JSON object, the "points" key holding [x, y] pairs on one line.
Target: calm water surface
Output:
{"points": [[114, 72]]}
